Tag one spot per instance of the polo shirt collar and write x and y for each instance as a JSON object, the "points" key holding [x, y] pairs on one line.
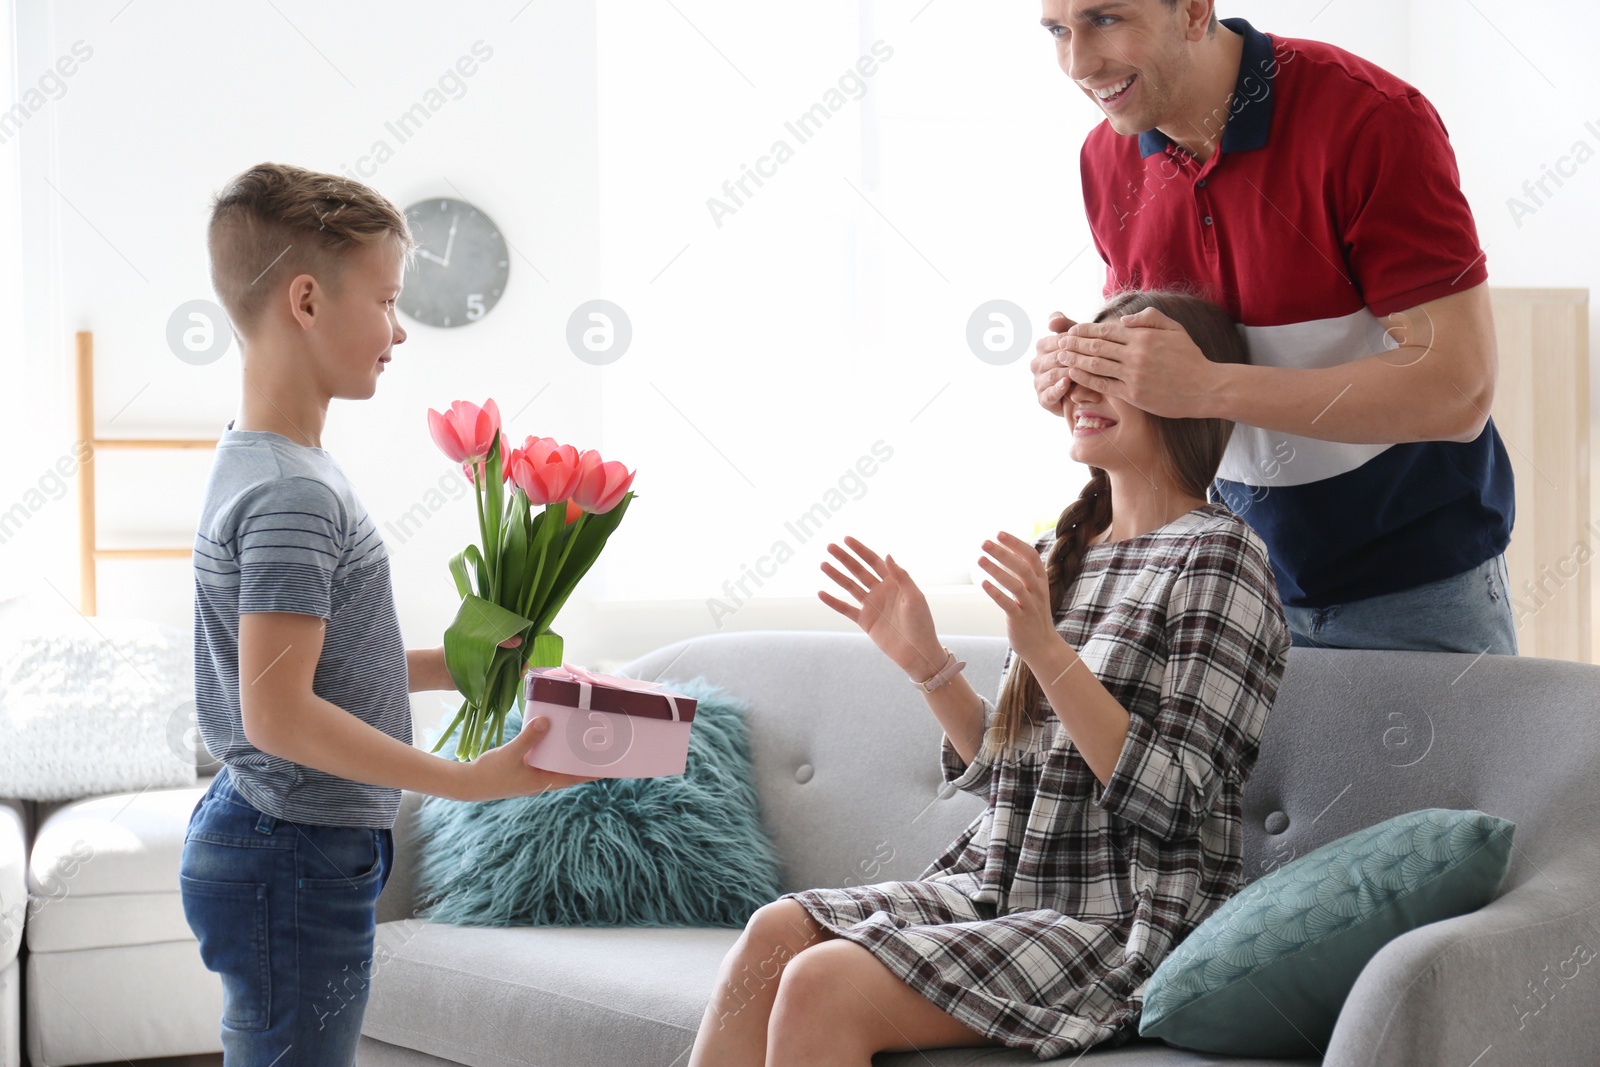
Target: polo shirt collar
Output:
{"points": [[1247, 127]]}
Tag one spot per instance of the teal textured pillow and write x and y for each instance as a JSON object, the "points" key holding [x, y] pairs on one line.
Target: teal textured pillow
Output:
{"points": [[685, 850], [1268, 971]]}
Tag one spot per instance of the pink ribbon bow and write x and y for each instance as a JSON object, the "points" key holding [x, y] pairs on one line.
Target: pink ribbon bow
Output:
{"points": [[586, 679]]}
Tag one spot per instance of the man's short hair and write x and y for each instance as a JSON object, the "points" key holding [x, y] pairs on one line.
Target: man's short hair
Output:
{"points": [[276, 221]]}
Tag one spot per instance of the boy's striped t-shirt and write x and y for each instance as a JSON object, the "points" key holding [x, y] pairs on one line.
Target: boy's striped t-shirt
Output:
{"points": [[282, 530]]}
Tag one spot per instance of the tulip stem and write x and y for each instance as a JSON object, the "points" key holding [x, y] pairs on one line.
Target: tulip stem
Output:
{"points": [[486, 579], [451, 728]]}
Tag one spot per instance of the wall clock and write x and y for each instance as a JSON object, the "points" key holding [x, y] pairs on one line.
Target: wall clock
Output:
{"points": [[460, 267]]}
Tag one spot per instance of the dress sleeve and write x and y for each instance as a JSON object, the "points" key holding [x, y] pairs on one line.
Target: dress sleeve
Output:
{"points": [[974, 777], [1227, 646], [1408, 232], [287, 537]]}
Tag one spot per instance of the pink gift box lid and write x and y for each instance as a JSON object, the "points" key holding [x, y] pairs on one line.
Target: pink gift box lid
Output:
{"points": [[566, 685]]}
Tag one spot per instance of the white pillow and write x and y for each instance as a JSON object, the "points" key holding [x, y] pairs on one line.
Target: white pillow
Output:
{"points": [[93, 705]]}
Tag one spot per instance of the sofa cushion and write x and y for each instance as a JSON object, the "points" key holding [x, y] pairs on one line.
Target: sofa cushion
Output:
{"points": [[1267, 972], [119, 1005], [554, 996], [547, 995], [680, 850], [104, 871]]}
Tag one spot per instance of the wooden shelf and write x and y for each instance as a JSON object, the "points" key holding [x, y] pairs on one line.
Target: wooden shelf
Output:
{"points": [[89, 551]]}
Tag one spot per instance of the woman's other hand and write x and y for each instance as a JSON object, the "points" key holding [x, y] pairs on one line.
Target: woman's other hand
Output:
{"points": [[892, 611], [1030, 616]]}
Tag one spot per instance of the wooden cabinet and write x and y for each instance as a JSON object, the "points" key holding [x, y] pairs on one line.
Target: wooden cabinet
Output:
{"points": [[1541, 409]]}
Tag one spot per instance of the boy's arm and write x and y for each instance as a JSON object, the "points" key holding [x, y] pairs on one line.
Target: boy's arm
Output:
{"points": [[425, 670], [426, 667], [278, 653]]}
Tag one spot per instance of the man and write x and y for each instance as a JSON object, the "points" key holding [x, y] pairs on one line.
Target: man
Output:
{"points": [[1315, 196]]}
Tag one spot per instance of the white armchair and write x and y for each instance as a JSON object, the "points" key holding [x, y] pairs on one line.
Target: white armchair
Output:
{"points": [[93, 938], [113, 971], [13, 915]]}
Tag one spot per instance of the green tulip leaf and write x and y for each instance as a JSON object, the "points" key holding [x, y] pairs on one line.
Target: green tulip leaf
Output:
{"points": [[471, 644]]}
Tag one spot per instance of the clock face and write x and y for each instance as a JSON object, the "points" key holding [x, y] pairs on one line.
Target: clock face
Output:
{"points": [[460, 267]]}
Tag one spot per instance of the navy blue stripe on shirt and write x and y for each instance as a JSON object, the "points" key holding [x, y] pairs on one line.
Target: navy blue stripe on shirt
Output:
{"points": [[1414, 513]]}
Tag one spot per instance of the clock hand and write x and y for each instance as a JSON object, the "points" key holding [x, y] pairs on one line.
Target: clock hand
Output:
{"points": [[451, 242], [423, 252]]}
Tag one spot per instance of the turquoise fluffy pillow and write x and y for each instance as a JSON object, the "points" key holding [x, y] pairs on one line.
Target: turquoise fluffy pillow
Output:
{"points": [[686, 850], [1267, 972]]}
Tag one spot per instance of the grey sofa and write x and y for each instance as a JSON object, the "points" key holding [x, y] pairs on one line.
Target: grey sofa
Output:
{"points": [[846, 758]]}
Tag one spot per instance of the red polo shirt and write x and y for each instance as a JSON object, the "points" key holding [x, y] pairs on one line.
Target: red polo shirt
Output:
{"points": [[1332, 199]]}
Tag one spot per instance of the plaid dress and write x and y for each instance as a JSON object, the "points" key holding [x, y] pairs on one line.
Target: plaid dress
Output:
{"points": [[1039, 926]]}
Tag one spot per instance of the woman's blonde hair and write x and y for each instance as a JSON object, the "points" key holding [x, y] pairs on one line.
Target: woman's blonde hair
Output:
{"points": [[1191, 451]]}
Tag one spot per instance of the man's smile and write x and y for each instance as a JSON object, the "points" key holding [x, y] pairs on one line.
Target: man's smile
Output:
{"points": [[1113, 95]]}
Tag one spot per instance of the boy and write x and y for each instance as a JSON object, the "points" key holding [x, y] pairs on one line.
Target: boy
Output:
{"points": [[301, 676]]}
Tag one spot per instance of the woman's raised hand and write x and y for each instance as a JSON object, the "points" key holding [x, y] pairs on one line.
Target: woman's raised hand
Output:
{"points": [[892, 611]]}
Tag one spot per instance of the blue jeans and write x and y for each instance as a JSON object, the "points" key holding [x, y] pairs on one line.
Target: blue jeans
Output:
{"points": [[286, 913], [1467, 612]]}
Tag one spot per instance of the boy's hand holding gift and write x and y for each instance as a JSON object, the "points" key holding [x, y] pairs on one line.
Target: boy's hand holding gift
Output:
{"points": [[502, 771], [536, 546]]}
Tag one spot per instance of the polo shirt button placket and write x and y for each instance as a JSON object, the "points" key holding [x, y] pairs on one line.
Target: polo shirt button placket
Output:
{"points": [[1208, 233]]}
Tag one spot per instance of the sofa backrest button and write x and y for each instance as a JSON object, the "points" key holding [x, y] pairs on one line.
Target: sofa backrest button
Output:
{"points": [[802, 773]]}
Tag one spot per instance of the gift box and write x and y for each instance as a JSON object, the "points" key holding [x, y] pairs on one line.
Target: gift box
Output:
{"points": [[604, 726]]}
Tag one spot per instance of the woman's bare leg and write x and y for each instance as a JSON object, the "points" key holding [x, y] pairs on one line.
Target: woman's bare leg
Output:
{"points": [[837, 1005], [733, 1032]]}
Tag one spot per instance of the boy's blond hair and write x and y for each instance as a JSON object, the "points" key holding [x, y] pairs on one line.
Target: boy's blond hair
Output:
{"points": [[276, 221]]}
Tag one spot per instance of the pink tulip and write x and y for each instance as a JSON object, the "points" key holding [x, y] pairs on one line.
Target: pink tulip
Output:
{"points": [[601, 483], [466, 431], [574, 513], [505, 468], [544, 470]]}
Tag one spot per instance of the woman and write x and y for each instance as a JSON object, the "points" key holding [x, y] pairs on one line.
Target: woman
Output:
{"points": [[1147, 642]]}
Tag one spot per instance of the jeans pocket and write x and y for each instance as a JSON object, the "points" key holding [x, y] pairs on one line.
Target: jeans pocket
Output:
{"points": [[338, 857], [230, 921]]}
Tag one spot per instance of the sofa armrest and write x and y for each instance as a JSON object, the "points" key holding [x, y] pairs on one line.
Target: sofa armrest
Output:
{"points": [[1520, 974], [398, 900], [13, 878]]}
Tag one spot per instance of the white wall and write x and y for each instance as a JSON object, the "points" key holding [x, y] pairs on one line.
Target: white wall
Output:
{"points": [[769, 352], [117, 174], [1519, 89], [16, 422], [974, 190]]}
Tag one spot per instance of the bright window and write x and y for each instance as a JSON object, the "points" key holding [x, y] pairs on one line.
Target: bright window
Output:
{"points": [[800, 215]]}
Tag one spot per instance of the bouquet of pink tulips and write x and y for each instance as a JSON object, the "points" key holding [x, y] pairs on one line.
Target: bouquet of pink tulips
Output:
{"points": [[530, 560]]}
